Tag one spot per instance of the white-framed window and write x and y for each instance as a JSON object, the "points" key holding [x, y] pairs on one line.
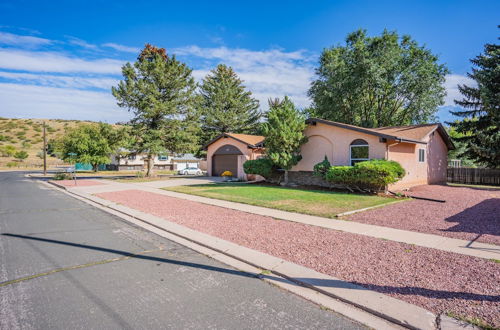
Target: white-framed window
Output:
{"points": [[162, 157], [131, 157], [359, 151], [421, 155]]}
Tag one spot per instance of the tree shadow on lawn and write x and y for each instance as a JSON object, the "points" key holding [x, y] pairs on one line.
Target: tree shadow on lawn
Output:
{"points": [[308, 282], [481, 219]]}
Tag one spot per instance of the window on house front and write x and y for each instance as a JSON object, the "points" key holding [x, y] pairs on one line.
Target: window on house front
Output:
{"points": [[131, 157], [359, 151], [421, 155], [162, 157]]}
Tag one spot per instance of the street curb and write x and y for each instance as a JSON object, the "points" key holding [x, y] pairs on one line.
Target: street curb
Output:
{"points": [[383, 306]]}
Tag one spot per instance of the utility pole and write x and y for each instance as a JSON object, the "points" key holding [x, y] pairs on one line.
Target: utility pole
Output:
{"points": [[44, 151]]}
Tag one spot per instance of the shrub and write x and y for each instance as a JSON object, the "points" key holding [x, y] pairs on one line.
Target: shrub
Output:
{"points": [[139, 174], [7, 151], [368, 175], [3, 137], [321, 168], [21, 155], [11, 164], [261, 166], [62, 176]]}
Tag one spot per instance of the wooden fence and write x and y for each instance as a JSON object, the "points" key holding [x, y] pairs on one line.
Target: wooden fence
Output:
{"points": [[471, 175]]}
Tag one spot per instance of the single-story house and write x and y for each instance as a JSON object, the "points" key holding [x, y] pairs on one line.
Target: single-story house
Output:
{"points": [[421, 149], [137, 162]]}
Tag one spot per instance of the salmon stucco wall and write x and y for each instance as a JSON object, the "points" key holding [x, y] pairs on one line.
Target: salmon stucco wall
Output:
{"points": [[437, 155], [247, 154], [406, 154], [334, 142]]}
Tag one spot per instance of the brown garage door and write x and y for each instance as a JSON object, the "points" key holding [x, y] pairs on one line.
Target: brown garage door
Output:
{"points": [[223, 163]]}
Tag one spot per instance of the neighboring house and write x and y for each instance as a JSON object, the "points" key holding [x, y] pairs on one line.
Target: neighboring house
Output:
{"points": [[421, 149], [137, 162]]}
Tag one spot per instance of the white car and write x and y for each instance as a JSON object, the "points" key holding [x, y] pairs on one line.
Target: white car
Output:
{"points": [[190, 171]]}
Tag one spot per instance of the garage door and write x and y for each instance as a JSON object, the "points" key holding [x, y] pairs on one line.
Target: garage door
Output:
{"points": [[223, 163]]}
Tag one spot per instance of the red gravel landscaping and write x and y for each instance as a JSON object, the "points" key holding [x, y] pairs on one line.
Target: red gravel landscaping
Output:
{"points": [[436, 280], [469, 213], [79, 183]]}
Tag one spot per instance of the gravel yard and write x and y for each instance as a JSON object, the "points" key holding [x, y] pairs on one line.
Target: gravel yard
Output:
{"points": [[469, 213], [436, 280], [81, 183]]}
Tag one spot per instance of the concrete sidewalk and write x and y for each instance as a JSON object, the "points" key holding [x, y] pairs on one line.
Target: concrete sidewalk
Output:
{"points": [[471, 248]]}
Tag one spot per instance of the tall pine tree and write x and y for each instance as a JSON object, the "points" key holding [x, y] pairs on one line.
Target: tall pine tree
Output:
{"points": [[161, 93], [226, 106], [284, 133], [480, 126]]}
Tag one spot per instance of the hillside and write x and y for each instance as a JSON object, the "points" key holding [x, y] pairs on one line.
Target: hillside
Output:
{"points": [[27, 135]]}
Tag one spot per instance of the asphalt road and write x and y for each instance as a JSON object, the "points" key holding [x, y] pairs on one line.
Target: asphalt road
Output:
{"points": [[67, 265]]}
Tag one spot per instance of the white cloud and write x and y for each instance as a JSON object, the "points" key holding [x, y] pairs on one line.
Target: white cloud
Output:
{"points": [[55, 62], [61, 81], [451, 85], [22, 41], [27, 101], [122, 48], [82, 43], [268, 74]]}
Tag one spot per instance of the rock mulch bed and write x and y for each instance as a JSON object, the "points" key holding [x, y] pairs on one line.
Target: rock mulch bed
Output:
{"points": [[436, 280], [79, 183], [469, 213]]}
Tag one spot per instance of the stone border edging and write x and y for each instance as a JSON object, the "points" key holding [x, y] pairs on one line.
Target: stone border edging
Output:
{"points": [[383, 306]]}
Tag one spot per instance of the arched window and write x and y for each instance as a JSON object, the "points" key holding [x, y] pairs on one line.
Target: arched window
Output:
{"points": [[359, 151]]}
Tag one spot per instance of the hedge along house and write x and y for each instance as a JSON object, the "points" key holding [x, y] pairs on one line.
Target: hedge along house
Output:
{"points": [[422, 150], [228, 152]]}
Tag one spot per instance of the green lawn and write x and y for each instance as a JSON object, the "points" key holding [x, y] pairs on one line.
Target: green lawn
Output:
{"points": [[315, 202]]}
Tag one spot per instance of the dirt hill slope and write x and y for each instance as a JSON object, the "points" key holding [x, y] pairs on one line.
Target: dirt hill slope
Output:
{"points": [[27, 135]]}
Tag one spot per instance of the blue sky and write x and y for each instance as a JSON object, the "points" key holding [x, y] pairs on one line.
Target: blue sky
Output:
{"points": [[59, 59]]}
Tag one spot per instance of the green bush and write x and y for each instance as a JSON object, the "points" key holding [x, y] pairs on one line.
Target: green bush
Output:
{"points": [[62, 176], [11, 164], [139, 174], [261, 166], [371, 175], [321, 168], [7, 151], [21, 155]]}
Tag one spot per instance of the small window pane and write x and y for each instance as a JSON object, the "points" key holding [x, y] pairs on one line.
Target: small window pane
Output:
{"points": [[359, 152], [421, 155]]}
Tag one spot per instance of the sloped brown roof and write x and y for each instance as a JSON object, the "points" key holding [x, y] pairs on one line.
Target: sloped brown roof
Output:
{"points": [[411, 133], [253, 141]]}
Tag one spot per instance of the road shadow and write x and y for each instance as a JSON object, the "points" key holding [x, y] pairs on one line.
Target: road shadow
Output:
{"points": [[308, 282]]}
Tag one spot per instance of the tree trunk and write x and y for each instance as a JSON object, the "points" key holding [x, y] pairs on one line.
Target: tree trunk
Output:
{"points": [[149, 170], [95, 167], [286, 177]]}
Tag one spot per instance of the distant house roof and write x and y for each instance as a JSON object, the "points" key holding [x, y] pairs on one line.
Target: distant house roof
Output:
{"points": [[185, 157], [410, 133], [253, 141]]}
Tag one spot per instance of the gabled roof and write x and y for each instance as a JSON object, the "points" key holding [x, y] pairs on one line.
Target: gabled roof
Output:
{"points": [[252, 141], [410, 133]]}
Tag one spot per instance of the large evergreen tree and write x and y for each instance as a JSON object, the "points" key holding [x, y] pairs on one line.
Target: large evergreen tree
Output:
{"points": [[480, 127], [160, 91], [378, 81], [284, 133], [225, 105]]}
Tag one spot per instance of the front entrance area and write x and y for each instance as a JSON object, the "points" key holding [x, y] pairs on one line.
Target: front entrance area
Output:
{"points": [[225, 159]]}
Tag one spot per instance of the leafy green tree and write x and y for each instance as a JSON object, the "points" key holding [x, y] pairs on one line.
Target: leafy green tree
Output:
{"points": [[226, 106], [90, 143], [460, 147], [284, 133], [480, 126], [378, 81], [21, 155], [160, 91]]}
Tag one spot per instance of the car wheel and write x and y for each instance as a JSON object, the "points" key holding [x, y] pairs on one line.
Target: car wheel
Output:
{"points": [[185, 173], [198, 173]]}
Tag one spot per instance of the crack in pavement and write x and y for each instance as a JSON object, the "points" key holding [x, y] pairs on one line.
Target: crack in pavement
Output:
{"points": [[62, 269]]}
